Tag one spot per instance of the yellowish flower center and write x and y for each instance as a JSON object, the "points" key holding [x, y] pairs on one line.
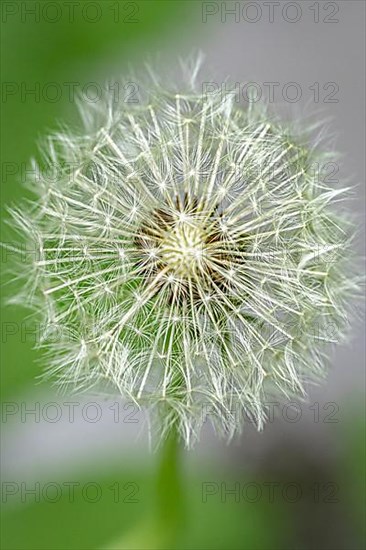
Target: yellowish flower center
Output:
{"points": [[182, 249]]}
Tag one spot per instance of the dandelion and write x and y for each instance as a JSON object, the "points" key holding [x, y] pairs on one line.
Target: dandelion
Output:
{"points": [[189, 256]]}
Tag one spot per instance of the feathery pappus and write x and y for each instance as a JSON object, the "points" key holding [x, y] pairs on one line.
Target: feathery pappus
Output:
{"points": [[187, 255]]}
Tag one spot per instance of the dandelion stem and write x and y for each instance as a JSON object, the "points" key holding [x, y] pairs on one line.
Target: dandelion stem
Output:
{"points": [[170, 502]]}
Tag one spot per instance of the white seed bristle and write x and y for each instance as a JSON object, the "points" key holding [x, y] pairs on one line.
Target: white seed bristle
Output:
{"points": [[189, 256]]}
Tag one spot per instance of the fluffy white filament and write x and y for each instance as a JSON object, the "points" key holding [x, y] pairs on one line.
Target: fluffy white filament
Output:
{"points": [[186, 254]]}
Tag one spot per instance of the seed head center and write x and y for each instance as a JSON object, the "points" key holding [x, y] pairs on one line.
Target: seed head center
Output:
{"points": [[182, 248]]}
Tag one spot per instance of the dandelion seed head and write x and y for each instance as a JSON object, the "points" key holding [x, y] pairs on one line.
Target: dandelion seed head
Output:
{"points": [[191, 257]]}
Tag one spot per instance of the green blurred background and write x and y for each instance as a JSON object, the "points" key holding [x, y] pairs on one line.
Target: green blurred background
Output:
{"points": [[89, 42]]}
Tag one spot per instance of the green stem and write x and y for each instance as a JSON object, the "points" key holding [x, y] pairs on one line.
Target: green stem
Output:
{"points": [[170, 507], [160, 530]]}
